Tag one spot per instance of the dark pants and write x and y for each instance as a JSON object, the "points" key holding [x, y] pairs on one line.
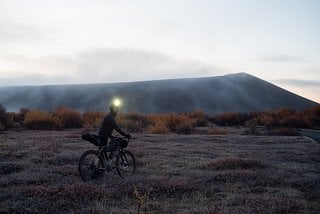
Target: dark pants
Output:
{"points": [[103, 140]]}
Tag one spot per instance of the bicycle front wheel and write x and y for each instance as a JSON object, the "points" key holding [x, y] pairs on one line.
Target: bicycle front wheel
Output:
{"points": [[91, 166], [126, 164]]}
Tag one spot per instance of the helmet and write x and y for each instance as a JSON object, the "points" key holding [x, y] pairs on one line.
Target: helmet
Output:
{"points": [[113, 107]]}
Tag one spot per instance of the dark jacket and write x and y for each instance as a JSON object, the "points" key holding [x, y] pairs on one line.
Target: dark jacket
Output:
{"points": [[107, 126]]}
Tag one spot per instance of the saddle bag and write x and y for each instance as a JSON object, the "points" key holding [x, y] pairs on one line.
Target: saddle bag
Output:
{"points": [[91, 138]]}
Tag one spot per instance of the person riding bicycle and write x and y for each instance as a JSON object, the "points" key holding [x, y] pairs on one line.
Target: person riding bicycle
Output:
{"points": [[109, 123]]}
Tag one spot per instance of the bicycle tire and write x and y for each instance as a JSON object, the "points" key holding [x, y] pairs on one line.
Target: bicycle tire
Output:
{"points": [[126, 164], [91, 166]]}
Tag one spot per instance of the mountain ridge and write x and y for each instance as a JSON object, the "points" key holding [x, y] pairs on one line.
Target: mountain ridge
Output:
{"points": [[240, 92]]}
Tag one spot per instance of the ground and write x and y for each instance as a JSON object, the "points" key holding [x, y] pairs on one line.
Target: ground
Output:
{"points": [[228, 173]]}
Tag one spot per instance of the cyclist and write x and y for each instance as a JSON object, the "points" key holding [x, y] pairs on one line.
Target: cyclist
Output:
{"points": [[109, 123]]}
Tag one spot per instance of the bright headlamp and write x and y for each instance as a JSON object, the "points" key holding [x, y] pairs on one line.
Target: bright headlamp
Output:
{"points": [[116, 102]]}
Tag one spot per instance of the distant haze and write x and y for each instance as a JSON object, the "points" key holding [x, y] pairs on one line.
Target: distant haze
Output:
{"points": [[237, 92], [54, 42]]}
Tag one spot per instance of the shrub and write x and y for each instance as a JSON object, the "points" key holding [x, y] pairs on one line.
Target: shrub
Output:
{"points": [[133, 122], [68, 117], [281, 117], [181, 124], [4, 120], [143, 120], [266, 119], [22, 115], [178, 123], [184, 127], [199, 117], [284, 117], [229, 119], [311, 117], [92, 119], [159, 128], [41, 120], [133, 126]]}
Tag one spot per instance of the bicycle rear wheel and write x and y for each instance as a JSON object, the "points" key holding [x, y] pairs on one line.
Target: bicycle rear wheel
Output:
{"points": [[91, 166], [126, 164]]}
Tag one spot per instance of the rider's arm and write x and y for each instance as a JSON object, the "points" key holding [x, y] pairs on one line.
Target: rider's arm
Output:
{"points": [[116, 127]]}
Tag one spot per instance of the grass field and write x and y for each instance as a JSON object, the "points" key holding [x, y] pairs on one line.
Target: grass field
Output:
{"points": [[229, 173]]}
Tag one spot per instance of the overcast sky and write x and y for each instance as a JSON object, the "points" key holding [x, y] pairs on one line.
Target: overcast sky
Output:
{"points": [[78, 41]]}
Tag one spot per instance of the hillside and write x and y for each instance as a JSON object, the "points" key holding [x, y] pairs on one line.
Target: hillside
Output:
{"points": [[235, 92]]}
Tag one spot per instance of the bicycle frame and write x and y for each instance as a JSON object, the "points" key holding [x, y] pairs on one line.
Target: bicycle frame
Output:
{"points": [[108, 157]]}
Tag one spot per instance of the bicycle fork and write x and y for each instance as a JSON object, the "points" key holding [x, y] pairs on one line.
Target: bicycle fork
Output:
{"points": [[124, 160]]}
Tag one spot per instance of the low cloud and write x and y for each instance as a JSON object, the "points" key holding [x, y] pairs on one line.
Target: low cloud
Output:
{"points": [[33, 79], [103, 65], [299, 83]]}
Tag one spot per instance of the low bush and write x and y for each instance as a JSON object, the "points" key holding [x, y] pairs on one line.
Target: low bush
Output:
{"points": [[41, 121], [199, 117], [311, 117], [284, 117], [92, 119], [143, 120], [184, 127], [133, 122], [68, 117], [133, 126], [4, 119], [230, 119], [159, 128], [174, 122], [177, 123]]}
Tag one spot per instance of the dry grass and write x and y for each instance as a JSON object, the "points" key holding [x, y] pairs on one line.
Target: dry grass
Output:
{"points": [[229, 173]]}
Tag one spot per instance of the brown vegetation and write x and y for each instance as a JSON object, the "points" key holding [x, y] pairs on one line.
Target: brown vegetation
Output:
{"points": [[92, 119], [278, 122], [68, 117], [133, 122], [41, 121], [282, 121]]}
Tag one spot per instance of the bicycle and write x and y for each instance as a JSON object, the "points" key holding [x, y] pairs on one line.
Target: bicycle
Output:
{"points": [[94, 163]]}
